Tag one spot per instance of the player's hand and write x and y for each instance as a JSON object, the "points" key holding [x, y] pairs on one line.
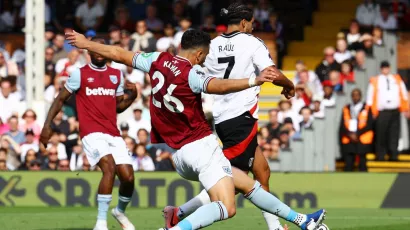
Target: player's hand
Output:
{"points": [[76, 39], [131, 89], [44, 137], [266, 75], [288, 92]]}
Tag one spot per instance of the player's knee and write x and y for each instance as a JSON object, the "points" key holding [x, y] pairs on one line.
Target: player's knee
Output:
{"points": [[129, 179]]}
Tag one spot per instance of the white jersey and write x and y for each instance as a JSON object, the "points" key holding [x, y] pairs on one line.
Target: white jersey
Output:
{"points": [[235, 56]]}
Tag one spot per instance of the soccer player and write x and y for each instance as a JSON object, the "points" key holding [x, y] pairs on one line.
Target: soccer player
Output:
{"points": [[234, 55], [99, 91], [178, 120]]}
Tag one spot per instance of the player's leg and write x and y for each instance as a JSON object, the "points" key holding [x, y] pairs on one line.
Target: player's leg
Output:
{"points": [[97, 151], [125, 174], [104, 197], [264, 200], [261, 173], [203, 160]]}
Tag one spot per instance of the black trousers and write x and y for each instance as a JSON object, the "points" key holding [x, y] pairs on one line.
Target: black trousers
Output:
{"points": [[349, 162], [387, 134]]}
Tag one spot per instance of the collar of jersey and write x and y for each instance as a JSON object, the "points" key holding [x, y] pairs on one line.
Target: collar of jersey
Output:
{"points": [[183, 59], [231, 34], [94, 67]]}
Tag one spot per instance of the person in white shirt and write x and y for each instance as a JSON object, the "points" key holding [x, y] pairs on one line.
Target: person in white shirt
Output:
{"points": [[136, 123], [386, 20], [9, 104], [329, 98], [342, 54], [141, 160], [165, 42], [55, 142], [367, 12], [29, 144], [387, 96], [185, 24], [89, 15], [66, 66]]}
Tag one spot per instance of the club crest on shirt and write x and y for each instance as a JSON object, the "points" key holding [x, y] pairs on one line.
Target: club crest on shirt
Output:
{"points": [[227, 170], [113, 79]]}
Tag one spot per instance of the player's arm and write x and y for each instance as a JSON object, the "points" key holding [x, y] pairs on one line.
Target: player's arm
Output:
{"points": [[199, 81], [72, 85], [114, 53], [262, 59], [126, 94]]}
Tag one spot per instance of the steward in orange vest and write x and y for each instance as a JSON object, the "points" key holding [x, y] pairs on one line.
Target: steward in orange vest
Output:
{"points": [[356, 132]]}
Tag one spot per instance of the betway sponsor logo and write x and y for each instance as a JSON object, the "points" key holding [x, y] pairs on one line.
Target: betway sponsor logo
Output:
{"points": [[100, 91]]}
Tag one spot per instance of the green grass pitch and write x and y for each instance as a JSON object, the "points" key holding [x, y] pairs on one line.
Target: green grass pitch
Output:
{"points": [[249, 218]]}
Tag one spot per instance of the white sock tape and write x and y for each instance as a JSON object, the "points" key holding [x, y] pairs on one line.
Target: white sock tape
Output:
{"points": [[252, 81]]}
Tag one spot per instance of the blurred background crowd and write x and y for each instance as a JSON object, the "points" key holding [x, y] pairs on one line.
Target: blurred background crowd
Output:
{"points": [[359, 52]]}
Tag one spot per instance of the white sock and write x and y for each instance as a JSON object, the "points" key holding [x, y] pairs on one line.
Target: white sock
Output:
{"points": [[272, 221], [101, 222], [192, 205]]}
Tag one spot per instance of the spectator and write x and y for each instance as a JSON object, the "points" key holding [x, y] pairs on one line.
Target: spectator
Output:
{"points": [[356, 132], [273, 127], [126, 42], [329, 99], [51, 159], [153, 23], [265, 135], [329, 63], [141, 160], [89, 34], [49, 35], [144, 40], [286, 111], [360, 60], [14, 132], [29, 144], [367, 13], [124, 127], [50, 91], [311, 79], [334, 78], [9, 104], [58, 47], [184, 24], [30, 122], [122, 19], [60, 124], [7, 68], [136, 123], [49, 64], [65, 66], [307, 118], [266, 150], [302, 98], [209, 24], [143, 138], [89, 15], [378, 36], [261, 12], [318, 108], [347, 74], [35, 165], [387, 96], [179, 13], [130, 143], [115, 34], [3, 161], [135, 76], [4, 127], [353, 35], [7, 16], [288, 125], [275, 26], [63, 14], [284, 139], [342, 54], [165, 42], [76, 159], [386, 20], [367, 44], [63, 165], [275, 148], [55, 142], [13, 151]]}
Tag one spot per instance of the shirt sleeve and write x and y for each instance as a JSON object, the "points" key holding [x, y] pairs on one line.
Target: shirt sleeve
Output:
{"points": [[261, 57], [369, 100], [143, 61], [74, 81], [198, 79], [120, 88]]}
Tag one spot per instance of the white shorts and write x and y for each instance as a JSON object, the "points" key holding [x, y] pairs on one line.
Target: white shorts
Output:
{"points": [[98, 145], [203, 161]]}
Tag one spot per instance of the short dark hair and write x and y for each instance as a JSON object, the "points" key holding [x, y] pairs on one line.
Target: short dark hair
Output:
{"points": [[356, 90], [142, 130], [236, 12], [195, 38]]}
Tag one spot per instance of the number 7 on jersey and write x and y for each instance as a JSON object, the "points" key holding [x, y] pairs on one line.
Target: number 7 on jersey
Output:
{"points": [[231, 62]]}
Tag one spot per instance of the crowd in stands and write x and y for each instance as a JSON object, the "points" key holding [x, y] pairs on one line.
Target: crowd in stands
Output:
{"points": [[154, 25], [318, 89]]}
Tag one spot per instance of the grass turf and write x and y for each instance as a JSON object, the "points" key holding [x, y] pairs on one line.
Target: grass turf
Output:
{"points": [[250, 218]]}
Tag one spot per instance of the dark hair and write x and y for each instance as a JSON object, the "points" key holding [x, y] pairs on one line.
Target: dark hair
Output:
{"points": [[142, 130], [356, 90], [236, 12], [194, 38], [305, 108], [98, 39]]}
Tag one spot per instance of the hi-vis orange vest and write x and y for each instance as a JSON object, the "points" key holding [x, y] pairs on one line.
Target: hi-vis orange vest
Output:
{"points": [[365, 138], [404, 106]]}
